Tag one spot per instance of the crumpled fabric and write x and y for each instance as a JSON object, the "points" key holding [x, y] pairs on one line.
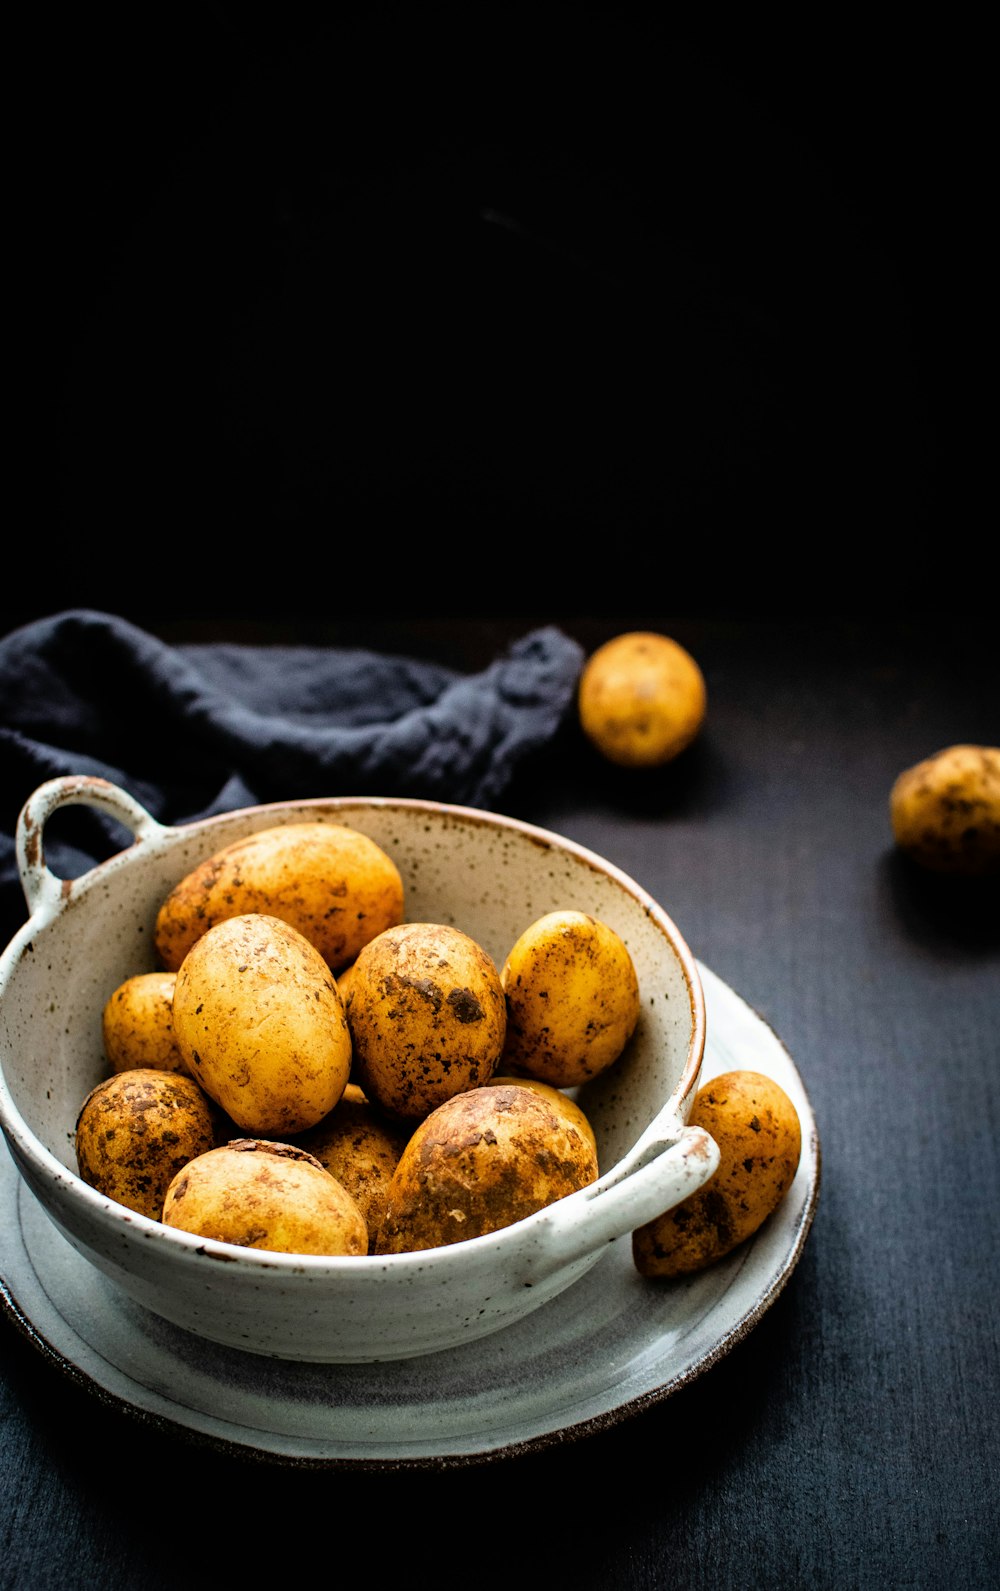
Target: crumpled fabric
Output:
{"points": [[195, 730]]}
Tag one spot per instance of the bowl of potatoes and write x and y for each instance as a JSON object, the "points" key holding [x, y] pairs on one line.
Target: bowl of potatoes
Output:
{"points": [[344, 1080]]}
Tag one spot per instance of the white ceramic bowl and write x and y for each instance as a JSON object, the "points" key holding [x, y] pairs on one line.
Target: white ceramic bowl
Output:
{"points": [[487, 874]]}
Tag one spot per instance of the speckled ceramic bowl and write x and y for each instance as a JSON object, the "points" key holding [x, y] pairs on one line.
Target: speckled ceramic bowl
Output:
{"points": [[489, 875]]}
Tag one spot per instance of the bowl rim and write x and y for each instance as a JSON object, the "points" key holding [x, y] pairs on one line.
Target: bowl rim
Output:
{"points": [[113, 1216]]}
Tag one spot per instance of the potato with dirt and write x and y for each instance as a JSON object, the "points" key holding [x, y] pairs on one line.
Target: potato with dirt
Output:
{"points": [[945, 811], [479, 1162], [361, 1147], [562, 1103], [261, 1025], [136, 1130], [572, 996], [137, 1024], [641, 699], [427, 1017], [757, 1129], [336, 886], [263, 1194]]}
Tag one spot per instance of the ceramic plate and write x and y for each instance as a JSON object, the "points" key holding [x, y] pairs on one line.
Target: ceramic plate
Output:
{"points": [[613, 1343]]}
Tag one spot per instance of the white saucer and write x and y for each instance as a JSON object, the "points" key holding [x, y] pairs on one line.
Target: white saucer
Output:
{"points": [[611, 1344]]}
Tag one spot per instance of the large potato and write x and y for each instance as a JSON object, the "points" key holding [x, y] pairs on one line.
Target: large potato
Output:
{"points": [[945, 811], [427, 1017], [337, 887], [261, 1025], [136, 1130], [641, 699], [757, 1129], [138, 1024], [359, 1146], [481, 1161], [265, 1195], [572, 999], [560, 1101]]}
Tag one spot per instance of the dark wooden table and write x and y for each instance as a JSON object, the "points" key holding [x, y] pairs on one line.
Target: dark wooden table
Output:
{"points": [[850, 1440]]}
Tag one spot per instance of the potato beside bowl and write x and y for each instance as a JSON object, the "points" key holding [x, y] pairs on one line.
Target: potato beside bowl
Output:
{"points": [[484, 873]]}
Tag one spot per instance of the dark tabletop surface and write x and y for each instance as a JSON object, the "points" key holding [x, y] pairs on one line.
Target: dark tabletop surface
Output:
{"points": [[401, 333]]}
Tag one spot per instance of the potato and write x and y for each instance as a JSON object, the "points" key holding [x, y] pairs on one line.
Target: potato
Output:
{"points": [[344, 977], [572, 997], [481, 1161], [560, 1102], [361, 1148], [427, 1017], [757, 1129], [265, 1195], [136, 1130], [138, 1024], [945, 811], [641, 699], [337, 887], [261, 1025]]}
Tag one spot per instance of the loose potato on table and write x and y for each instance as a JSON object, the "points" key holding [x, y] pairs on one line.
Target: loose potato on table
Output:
{"points": [[945, 811], [427, 1017], [261, 1025], [136, 1130], [265, 1195], [572, 999], [336, 886], [757, 1129], [641, 699], [479, 1162], [138, 1024], [359, 1146]]}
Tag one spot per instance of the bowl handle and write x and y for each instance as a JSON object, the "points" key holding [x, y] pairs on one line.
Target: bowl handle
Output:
{"points": [[42, 889], [666, 1165]]}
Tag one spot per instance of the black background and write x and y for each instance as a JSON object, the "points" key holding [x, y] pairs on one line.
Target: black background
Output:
{"points": [[389, 310]]}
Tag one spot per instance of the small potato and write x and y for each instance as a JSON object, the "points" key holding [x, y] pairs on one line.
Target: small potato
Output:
{"points": [[261, 1025], [361, 1148], [265, 1195], [641, 699], [572, 999], [560, 1102], [945, 811], [481, 1161], [427, 1017], [138, 1024], [136, 1130], [757, 1129], [337, 887]]}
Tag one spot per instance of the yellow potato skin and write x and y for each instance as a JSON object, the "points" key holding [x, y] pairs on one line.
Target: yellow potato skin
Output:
{"points": [[344, 977], [359, 1146], [427, 1017], [479, 1162], [265, 1195], [137, 1024], [337, 887], [572, 997], [261, 1025], [945, 811], [641, 699], [757, 1129], [561, 1103], [136, 1130]]}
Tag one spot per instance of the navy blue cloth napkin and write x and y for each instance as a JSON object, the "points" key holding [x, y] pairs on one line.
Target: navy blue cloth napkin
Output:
{"points": [[192, 730]]}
